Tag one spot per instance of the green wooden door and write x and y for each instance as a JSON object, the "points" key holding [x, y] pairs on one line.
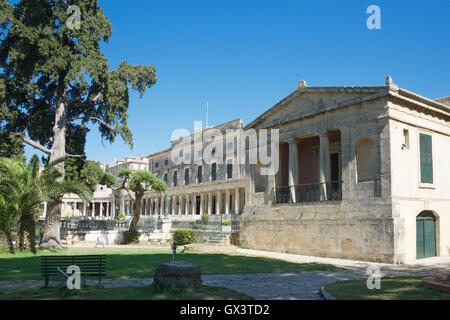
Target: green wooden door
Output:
{"points": [[425, 236]]}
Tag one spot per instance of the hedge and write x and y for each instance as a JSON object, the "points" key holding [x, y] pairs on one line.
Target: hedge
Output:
{"points": [[184, 236]]}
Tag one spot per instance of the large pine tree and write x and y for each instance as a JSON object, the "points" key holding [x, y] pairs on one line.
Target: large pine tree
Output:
{"points": [[54, 79]]}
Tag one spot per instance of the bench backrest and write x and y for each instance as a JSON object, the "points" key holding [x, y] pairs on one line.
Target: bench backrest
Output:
{"points": [[92, 265], [61, 274]]}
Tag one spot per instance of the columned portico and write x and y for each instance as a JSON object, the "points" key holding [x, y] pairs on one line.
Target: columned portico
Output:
{"points": [[236, 201], [293, 173], [218, 202], [201, 203], [209, 203], [324, 174], [193, 205], [227, 202]]}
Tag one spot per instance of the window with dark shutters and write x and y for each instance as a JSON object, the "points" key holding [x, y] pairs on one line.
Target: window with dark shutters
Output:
{"points": [[186, 177], [426, 158], [175, 178], [213, 172], [199, 174], [229, 170]]}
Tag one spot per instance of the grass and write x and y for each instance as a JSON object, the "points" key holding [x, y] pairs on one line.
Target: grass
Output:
{"points": [[127, 263], [408, 288], [124, 293]]}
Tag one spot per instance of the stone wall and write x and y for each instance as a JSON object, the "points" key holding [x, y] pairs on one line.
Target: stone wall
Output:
{"points": [[359, 231]]}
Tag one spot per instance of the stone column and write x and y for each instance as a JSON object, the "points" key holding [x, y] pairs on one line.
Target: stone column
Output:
{"points": [[161, 206], [173, 205], [194, 200], [186, 209], [227, 202], [156, 206], [209, 203], [84, 209], [293, 173], [201, 203], [236, 202], [218, 206], [93, 209], [122, 205], [107, 210], [325, 171], [179, 205]]}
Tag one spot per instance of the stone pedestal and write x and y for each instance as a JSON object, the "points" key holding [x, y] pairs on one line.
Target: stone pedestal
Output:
{"points": [[178, 275], [166, 226]]}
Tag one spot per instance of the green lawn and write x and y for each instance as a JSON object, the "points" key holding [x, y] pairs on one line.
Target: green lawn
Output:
{"points": [[408, 288], [126, 293], [128, 263]]}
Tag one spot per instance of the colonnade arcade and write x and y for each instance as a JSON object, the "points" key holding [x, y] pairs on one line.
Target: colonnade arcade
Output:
{"points": [[211, 202]]}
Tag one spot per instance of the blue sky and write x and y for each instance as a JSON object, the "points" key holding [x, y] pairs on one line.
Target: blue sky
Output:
{"points": [[244, 56]]}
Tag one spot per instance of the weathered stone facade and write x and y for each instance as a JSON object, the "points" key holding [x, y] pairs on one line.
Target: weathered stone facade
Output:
{"points": [[195, 188], [360, 209], [364, 173]]}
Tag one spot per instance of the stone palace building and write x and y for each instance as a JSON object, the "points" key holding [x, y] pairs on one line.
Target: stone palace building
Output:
{"points": [[364, 173]]}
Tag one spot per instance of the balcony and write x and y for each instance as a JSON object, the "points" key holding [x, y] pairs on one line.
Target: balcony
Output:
{"points": [[309, 193]]}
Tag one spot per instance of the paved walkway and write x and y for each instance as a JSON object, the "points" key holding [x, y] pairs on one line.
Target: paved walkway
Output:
{"points": [[283, 286]]}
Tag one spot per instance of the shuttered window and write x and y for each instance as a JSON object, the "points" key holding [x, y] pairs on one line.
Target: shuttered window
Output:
{"points": [[175, 178], [426, 158], [199, 174], [186, 177], [229, 170], [213, 172]]}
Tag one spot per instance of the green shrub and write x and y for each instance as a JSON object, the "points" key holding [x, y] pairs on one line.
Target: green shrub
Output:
{"points": [[131, 237], [184, 236], [120, 216], [226, 223], [205, 218]]}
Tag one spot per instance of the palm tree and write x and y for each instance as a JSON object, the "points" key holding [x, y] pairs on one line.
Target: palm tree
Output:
{"points": [[19, 197], [9, 214], [22, 187]]}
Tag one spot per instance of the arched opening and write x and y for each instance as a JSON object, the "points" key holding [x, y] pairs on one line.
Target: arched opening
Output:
{"points": [[260, 180], [426, 235], [366, 159]]}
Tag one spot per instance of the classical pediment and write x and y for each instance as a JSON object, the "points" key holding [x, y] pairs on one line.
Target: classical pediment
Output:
{"points": [[309, 101]]}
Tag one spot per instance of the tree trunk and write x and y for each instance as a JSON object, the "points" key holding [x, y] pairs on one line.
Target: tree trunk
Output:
{"points": [[26, 233], [20, 242], [136, 213], [7, 243], [50, 239], [51, 236]]}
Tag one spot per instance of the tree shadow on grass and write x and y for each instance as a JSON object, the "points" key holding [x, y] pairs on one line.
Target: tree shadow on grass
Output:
{"points": [[128, 264]]}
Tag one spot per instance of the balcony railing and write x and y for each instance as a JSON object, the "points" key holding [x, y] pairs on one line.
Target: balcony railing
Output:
{"points": [[309, 193]]}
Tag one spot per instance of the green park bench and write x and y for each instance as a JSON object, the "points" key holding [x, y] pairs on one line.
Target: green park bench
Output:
{"points": [[90, 266]]}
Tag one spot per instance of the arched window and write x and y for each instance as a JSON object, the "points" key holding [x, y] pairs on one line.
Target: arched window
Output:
{"points": [[366, 159]]}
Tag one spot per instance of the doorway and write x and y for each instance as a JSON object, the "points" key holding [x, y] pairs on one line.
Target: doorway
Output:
{"points": [[425, 235]]}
